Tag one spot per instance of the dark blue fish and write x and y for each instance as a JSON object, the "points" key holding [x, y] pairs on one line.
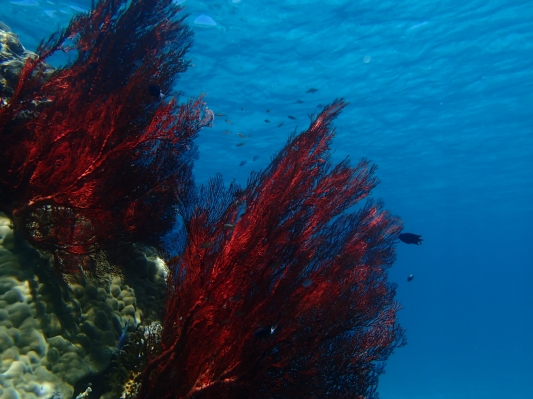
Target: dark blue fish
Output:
{"points": [[155, 91], [409, 238], [312, 90], [123, 337], [256, 157], [292, 117], [264, 332], [411, 277], [242, 163]]}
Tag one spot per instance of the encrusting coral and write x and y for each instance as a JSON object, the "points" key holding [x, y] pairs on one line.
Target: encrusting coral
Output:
{"points": [[50, 341]]}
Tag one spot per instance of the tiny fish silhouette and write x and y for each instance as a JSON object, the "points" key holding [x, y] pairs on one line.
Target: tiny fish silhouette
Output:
{"points": [[124, 336], [411, 277], [292, 117], [228, 121], [264, 332], [229, 226], [267, 121], [240, 144], [155, 91], [226, 132], [241, 135], [280, 125], [410, 238], [219, 114], [312, 90], [298, 102], [307, 283], [268, 110], [242, 163], [255, 158]]}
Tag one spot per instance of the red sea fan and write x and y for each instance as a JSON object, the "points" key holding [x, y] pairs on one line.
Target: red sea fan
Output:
{"points": [[91, 159], [282, 291]]}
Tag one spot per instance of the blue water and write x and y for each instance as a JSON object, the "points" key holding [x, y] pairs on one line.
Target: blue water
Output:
{"points": [[441, 99]]}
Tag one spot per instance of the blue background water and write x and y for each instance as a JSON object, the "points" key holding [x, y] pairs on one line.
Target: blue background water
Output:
{"points": [[441, 98]]}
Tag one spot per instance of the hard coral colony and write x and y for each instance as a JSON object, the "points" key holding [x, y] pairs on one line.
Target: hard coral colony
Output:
{"points": [[93, 163]]}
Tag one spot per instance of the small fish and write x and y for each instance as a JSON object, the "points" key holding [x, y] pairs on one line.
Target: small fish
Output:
{"points": [[280, 125], [228, 121], [242, 163], [298, 102], [291, 117], [319, 106], [267, 121], [240, 144], [307, 283], [155, 91], [219, 114], [411, 277], [229, 226], [124, 336], [241, 135], [226, 132], [264, 332], [410, 238], [242, 109], [256, 157], [206, 245], [312, 90], [268, 110]]}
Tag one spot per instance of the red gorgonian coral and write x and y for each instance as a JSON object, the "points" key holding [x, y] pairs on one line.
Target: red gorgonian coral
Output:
{"points": [[91, 159], [280, 291]]}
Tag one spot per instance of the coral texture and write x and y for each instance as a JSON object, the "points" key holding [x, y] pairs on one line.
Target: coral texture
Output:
{"points": [[280, 292], [50, 341]]}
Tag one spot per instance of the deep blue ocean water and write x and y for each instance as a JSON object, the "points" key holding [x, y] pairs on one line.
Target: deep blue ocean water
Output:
{"points": [[441, 98]]}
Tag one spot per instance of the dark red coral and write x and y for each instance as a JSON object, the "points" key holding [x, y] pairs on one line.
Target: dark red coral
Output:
{"points": [[282, 288], [90, 159]]}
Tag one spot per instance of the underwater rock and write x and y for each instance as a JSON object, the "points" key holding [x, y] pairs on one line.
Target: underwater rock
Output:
{"points": [[13, 55]]}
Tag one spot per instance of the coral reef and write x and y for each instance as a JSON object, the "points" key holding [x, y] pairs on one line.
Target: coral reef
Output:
{"points": [[279, 290], [293, 299], [49, 340], [87, 153]]}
